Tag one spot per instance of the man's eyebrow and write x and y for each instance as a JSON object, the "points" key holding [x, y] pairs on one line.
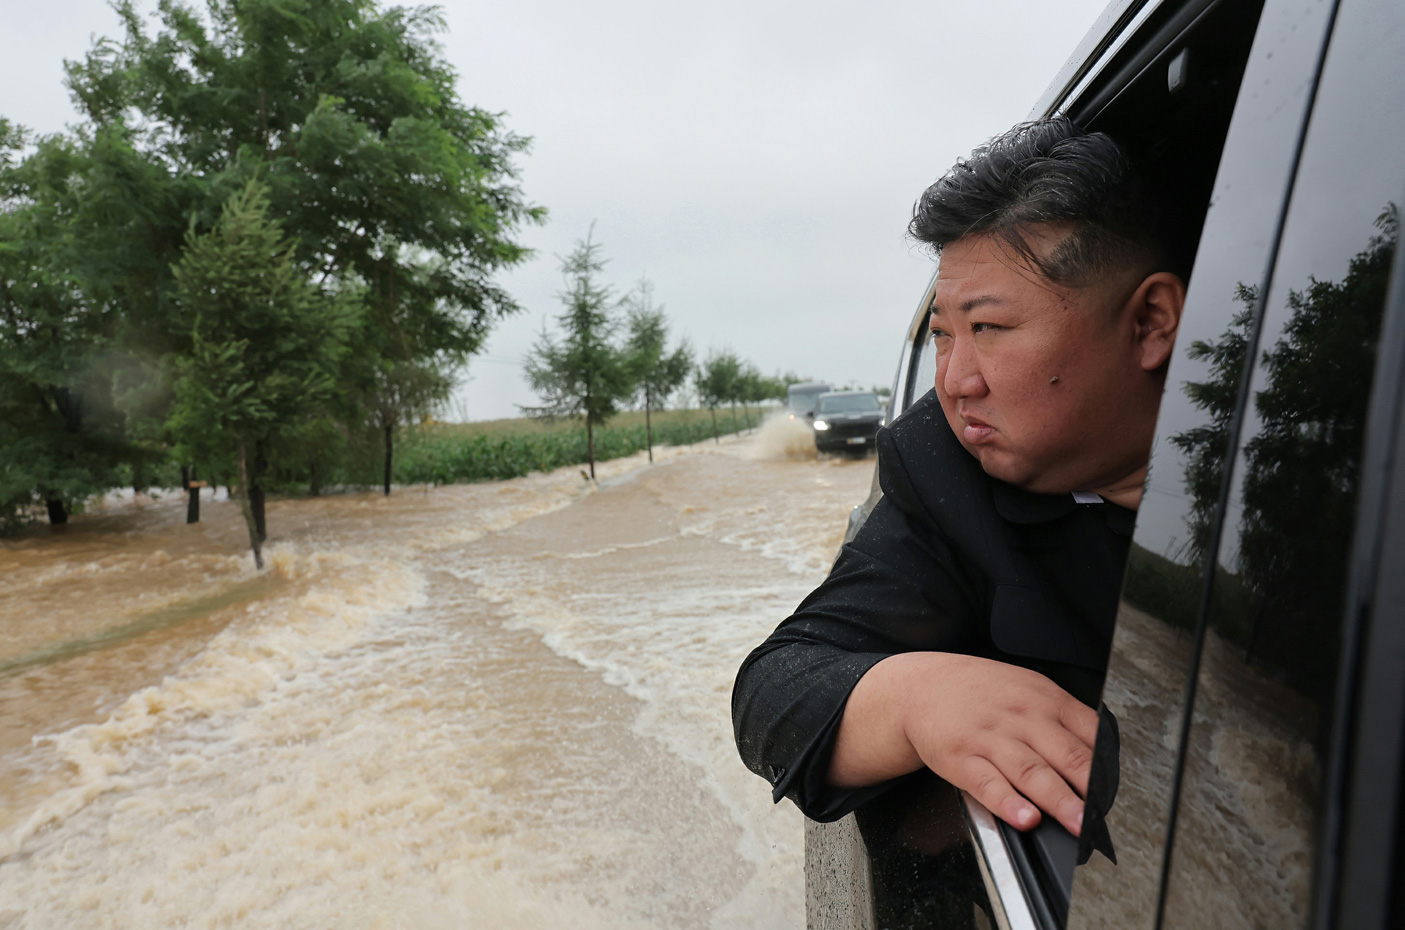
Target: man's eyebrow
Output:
{"points": [[966, 306]]}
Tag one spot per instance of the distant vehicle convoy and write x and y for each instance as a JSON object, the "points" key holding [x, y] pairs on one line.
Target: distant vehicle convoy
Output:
{"points": [[847, 421], [800, 398]]}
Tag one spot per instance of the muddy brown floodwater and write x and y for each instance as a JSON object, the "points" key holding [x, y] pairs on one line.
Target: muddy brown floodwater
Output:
{"points": [[499, 705]]}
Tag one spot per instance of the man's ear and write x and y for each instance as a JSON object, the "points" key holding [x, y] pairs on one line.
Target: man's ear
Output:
{"points": [[1156, 310]]}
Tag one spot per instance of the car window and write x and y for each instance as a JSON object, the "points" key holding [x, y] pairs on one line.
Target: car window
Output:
{"points": [[924, 376], [1154, 647], [850, 403], [1244, 850]]}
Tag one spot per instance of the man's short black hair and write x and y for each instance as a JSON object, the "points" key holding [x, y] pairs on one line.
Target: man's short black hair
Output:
{"points": [[1047, 172]]}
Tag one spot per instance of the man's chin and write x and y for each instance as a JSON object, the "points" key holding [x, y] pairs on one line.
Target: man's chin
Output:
{"points": [[1002, 466], [998, 464]]}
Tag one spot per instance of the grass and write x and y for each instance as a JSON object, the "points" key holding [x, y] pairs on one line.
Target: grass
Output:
{"points": [[444, 453]]}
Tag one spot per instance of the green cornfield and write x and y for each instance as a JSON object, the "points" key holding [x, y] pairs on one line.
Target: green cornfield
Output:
{"points": [[444, 453]]}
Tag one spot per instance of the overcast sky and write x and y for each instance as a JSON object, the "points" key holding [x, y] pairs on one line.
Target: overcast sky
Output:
{"points": [[757, 160]]}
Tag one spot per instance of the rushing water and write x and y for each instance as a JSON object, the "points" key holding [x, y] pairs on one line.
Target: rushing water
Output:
{"points": [[496, 705]]}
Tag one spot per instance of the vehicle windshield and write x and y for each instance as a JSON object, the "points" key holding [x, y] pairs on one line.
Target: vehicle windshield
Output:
{"points": [[850, 403], [802, 399]]}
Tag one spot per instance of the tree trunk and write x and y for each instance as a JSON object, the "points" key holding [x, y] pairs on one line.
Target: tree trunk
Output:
{"points": [[58, 513], [389, 452], [714, 427], [590, 445], [734, 416], [648, 426], [192, 504], [746, 412], [246, 505], [314, 481], [253, 484]]}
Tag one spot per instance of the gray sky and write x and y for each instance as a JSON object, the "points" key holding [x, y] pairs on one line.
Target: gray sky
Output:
{"points": [[757, 160]]}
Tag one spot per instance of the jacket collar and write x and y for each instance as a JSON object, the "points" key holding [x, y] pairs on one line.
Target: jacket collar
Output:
{"points": [[1024, 507], [1020, 506]]}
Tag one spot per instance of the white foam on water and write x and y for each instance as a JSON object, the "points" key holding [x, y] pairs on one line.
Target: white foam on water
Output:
{"points": [[369, 748], [785, 437], [278, 640], [673, 637]]}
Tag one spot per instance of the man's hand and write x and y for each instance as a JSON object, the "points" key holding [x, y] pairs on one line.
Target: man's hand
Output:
{"points": [[1006, 734]]}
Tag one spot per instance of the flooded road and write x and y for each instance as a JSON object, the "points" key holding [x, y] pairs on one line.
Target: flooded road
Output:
{"points": [[495, 705]]}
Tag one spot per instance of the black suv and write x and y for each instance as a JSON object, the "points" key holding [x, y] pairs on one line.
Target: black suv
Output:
{"points": [[848, 421], [1258, 668]]}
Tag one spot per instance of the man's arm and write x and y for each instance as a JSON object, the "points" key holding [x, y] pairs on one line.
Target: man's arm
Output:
{"points": [[888, 593], [1008, 735]]}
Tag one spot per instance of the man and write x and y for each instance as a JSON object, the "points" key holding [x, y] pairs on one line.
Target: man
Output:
{"points": [[966, 627]]}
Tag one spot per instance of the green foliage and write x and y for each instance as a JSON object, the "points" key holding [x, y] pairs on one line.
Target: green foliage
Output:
{"points": [[386, 184], [719, 378], [265, 343], [439, 456], [655, 372], [65, 436], [584, 373]]}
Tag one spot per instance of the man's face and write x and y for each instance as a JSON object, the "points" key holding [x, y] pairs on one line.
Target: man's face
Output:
{"points": [[1042, 383]]}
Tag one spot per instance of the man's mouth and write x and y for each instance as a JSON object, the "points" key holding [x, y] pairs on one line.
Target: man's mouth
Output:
{"points": [[976, 431]]}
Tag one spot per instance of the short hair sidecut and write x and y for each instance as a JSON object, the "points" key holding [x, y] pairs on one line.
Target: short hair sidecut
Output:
{"points": [[1048, 172]]}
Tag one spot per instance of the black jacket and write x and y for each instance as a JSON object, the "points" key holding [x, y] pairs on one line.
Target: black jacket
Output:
{"points": [[949, 560]]}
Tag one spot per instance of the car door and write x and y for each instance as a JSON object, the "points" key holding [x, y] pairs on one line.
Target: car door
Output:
{"points": [[1265, 751], [1146, 74]]}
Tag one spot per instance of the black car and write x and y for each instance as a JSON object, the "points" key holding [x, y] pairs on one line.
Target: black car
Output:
{"points": [[848, 421], [1258, 667]]}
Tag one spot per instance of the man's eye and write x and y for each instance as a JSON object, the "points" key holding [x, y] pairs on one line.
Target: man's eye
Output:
{"points": [[984, 327], [938, 334]]}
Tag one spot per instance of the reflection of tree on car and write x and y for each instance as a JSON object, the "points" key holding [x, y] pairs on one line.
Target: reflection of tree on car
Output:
{"points": [[847, 420], [1295, 527]]}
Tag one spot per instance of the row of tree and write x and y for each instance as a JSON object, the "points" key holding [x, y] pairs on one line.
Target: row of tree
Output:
{"points": [[614, 352], [272, 238]]}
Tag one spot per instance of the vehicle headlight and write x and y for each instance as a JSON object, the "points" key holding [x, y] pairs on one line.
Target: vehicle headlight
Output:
{"points": [[821, 424]]}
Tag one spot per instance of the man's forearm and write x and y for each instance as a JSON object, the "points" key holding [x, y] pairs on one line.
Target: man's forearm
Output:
{"points": [[872, 745], [1006, 734]]}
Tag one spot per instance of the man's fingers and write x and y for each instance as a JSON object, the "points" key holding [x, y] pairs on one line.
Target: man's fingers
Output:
{"points": [[1080, 720], [1031, 775], [1066, 754], [993, 789]]}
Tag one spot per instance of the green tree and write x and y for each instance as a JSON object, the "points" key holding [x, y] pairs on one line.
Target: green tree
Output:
{"points": [[382, 177], [265, 342], [718, 379], [754, 387], [655, 372], [583, 374], [64, 434]]}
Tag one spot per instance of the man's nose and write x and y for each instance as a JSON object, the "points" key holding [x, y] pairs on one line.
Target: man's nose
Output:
{"points": [[962, 375]]}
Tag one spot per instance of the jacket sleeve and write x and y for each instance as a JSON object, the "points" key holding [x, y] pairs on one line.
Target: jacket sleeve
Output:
{"points": [[894, 588]]}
